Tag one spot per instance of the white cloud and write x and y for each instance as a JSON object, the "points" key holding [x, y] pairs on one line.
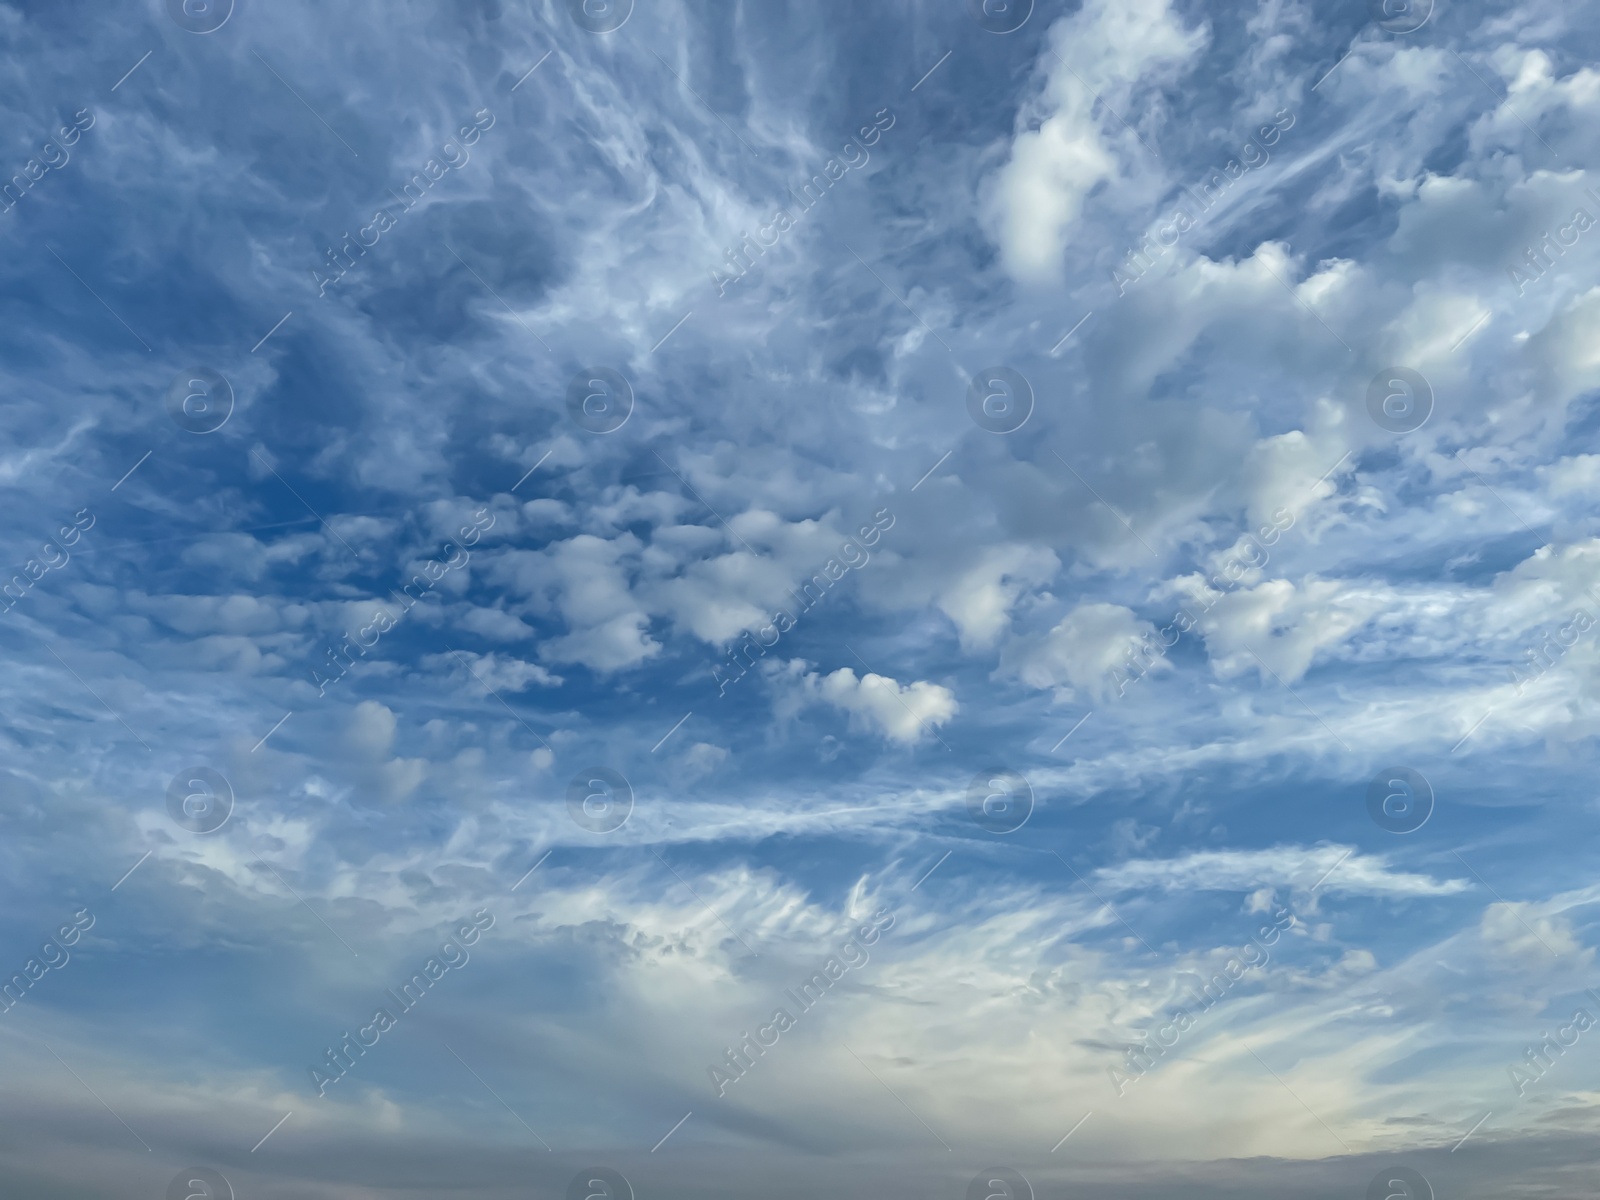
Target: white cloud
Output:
{"points": [[1082, 651], [1277, 627], [1339, 868], [500, 673], [1063, 149], [1576, 475], [701, 759], [904, 714], [370, 735], [1198, 405], [1567, 350], [1523, 931], [586, 580], [979, 598], [372, 728]]}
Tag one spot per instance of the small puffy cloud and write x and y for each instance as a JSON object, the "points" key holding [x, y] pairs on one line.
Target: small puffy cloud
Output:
{"points": [[1261, 900], [979, 598], [1286, 474], [586, 581], [370, 736], [1277, 623], [623, 641], [499, 673], [901, 714], [700, 760], [1544, 588], [719, 598], [495, 625], [1577, 475], [1522, 931], [371, 729], [1081, 652]]}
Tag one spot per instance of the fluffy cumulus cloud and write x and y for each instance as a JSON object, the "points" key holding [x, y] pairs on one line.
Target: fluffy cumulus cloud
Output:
{"points": [[979, 599], [516, 577], [1277, 625], [1088, 649], [904, 713], [1070, 138]]}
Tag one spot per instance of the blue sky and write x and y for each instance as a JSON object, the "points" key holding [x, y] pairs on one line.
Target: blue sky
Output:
{"points": [[548, 350]]}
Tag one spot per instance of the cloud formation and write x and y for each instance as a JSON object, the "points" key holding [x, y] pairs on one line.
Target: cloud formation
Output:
{"points": [[410, 514]]}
